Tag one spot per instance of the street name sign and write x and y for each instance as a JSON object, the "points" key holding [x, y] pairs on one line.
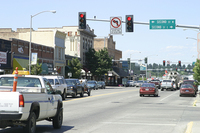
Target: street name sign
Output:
{"points": [[115, 25], [162, 24]]}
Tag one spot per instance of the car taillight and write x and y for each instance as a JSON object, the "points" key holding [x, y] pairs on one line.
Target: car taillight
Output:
{"points": [[160, 83], [152, 89], [21, 101]]}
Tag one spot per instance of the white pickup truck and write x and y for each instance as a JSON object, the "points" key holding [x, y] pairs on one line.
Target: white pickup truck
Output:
{"points": [[167, 84], [34, 100]]}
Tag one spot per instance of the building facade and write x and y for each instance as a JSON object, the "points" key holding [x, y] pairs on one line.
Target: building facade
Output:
{"points": [[77, 43], [5, 57], [50, 38]]}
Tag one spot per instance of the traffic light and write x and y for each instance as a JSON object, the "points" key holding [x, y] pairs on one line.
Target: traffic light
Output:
{"points": [[179, 63], [129, 23], [176, 69], [82, 20], [185, 70], [145, 60], [163, 62]]}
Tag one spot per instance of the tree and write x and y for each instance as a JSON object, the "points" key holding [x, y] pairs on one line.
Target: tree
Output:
{"points": [[196, 70], [98, 62], [104, 62], [75, 67], [36, 69], [91, 60]]}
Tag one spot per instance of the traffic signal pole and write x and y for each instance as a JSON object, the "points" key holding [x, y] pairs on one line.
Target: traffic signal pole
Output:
{"points": [[146, 23]]}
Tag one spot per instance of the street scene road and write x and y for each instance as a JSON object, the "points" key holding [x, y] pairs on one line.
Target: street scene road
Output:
{"points": [[121, 109]]}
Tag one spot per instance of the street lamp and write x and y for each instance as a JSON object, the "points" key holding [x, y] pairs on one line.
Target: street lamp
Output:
{"points": [[191, 38], [53, 11], [130, 63], [198, 47]]}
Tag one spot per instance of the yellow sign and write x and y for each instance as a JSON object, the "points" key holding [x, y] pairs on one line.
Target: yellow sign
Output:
{"points": [[21, 72]]}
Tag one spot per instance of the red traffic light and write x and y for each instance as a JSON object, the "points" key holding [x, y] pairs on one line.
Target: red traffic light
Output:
{"points": [[129, 18], [81, 15]]}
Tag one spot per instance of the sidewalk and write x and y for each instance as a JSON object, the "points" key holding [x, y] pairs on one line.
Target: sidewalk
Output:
{"points": [[194, 127]]}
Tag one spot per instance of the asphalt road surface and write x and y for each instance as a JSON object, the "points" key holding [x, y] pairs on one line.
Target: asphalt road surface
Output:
{"points": [[122, 110]]}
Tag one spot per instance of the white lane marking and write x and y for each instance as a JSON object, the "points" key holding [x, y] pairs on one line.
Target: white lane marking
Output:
{"points": [[147, 124], [168, 96]]}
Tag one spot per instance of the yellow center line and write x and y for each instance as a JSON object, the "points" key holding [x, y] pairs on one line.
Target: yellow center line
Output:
{"points": [[189, 127], [99, 95]]}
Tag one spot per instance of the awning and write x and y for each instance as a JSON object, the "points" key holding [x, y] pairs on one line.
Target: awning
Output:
{"points": [[120, 72], [20, 63], [112, 73], [83, 72]]}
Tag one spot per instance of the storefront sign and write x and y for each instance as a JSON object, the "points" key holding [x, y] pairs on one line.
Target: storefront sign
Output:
{"points": [[3, 58], [34, 59]]}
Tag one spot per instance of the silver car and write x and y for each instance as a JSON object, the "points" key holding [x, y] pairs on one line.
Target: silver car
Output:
{"points": [[139, 83]]}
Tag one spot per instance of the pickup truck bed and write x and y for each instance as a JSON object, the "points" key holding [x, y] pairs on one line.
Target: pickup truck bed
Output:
{"points": [[29, 104], [167, 84]]}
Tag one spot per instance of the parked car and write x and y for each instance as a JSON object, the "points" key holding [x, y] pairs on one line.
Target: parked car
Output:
{"points": [[92, 84], [156, 82], [74, 87], [167, 84], [84, 85], [148, 89], [58, 83], [101, 84], [187, 89], [139, 83], [130, 83], [192, 82]]}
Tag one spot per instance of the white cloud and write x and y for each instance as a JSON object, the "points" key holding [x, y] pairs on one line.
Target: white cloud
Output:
{"points": [[175, 47]]}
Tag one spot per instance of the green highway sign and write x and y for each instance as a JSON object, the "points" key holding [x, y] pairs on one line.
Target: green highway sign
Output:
{"points": [[162, 24]]}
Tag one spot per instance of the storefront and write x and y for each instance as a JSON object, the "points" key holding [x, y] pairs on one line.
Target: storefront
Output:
{"points": [[5, 57]]}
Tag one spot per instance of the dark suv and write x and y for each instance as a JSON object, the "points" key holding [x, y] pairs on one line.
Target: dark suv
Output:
{"points": [[74, 87]]}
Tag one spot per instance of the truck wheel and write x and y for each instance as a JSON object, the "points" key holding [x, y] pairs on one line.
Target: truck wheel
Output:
{"points": [[30, 124], [74, 95], [58, 119], [63, 95], [82, 93], [89, 92]]}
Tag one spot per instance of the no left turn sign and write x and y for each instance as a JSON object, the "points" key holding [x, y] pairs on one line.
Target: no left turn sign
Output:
{"points": [[115, 25]]}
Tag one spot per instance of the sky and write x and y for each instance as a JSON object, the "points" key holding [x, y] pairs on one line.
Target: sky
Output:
{"points": [[158, 45]]}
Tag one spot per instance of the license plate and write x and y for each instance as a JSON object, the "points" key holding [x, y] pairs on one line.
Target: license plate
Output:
{"points": [[187, 91], [147, 89]]}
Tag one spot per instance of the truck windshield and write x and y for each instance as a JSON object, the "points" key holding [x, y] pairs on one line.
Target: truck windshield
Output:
{"points": [[21, 82]]}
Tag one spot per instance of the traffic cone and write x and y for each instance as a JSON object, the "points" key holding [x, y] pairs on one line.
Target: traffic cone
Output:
{"points": [[15, 80]]}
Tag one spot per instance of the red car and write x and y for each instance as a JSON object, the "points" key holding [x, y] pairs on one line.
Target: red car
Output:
{"points": [[192, 82], [187, 89], [148, 89], [156, 82]]}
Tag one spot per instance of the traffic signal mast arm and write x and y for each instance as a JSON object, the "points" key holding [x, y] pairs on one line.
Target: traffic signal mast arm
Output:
{"points": [[146, 23]]}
